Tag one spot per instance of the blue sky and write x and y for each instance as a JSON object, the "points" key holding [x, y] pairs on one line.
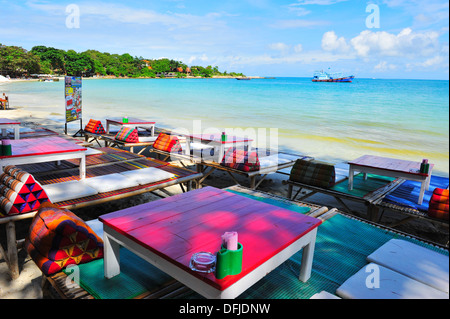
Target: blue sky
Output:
{"points": [[375, 39]]}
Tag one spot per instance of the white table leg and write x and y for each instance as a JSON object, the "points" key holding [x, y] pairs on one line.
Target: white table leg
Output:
{"points": [[350, 178], [111, 256], [221, 153], [83, 167], [307, 258], [16, 132], [422, 191]]}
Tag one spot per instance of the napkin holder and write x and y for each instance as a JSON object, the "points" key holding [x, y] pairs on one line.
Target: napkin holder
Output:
{"points": [[228, 262]]}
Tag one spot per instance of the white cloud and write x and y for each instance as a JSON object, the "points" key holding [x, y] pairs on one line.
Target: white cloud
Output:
{"points": [[384, 66], [331, 42], [298, 48], [299, 23], [279, 46], [405, 43]]}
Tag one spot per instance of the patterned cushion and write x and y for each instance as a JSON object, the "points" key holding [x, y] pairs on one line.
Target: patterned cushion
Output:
{"points": [[19, 192], [127, 134], [167, 143], [58, 238], [314, 173], [439, 204], [95, 127], [241, 160]]}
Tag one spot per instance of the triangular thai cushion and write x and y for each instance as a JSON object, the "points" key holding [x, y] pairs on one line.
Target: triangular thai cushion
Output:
{"points": [[168, 143], [95, 127], [127, 134], [241, 160], [58, 238]]}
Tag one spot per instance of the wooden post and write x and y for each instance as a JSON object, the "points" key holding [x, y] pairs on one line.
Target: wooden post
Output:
{"points": [[13, 258]]}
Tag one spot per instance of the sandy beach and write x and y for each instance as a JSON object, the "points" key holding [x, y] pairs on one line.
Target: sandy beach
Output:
{"points": [[28, 284]]}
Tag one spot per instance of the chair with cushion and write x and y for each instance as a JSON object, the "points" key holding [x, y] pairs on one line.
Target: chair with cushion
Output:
{"points": [[314, 173], [94, 130]]}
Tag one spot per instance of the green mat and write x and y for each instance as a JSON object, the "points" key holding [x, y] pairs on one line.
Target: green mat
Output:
{"points": [[363, 187], [286, 205], [136, 277], [342, 246]]}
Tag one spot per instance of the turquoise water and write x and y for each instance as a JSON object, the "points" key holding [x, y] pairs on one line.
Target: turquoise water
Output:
{"points": [[407, 119]]}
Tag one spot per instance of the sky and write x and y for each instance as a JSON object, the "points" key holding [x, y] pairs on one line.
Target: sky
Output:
{"points": [[399, 39]]}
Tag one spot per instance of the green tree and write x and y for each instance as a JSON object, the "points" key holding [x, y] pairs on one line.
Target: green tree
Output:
{"points": [[16, 61]]}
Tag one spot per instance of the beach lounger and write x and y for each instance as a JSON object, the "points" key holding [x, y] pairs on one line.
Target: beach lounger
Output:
{"points": [[329, 179], [250, 164], [108, 177], [403, 200], [413, 261], [392, 285]]}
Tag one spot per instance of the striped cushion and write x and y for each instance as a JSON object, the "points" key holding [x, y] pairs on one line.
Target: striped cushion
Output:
{"points": [[95, 127], [58, 238], [167, 143], [241, 160], [439, 204], [314, 173], [127, 134]]}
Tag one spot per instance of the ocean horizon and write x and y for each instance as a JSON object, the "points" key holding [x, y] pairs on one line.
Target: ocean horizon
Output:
{"points": [[335, 122]]}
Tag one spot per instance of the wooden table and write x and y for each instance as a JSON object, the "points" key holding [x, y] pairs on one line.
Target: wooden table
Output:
{"points": [[132, 122], [44, 149], [167, 232], [390, 167], [215, 140], [7, 123]]}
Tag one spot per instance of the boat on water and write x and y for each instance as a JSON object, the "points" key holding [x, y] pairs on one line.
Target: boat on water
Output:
{"points": [[321, 76], [243, 79]]}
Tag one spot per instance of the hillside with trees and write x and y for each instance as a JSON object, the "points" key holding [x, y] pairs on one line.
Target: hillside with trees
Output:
{"points": [[18, 62]]}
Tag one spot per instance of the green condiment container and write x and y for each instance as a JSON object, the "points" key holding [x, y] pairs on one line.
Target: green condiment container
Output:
{"points": [[228, 262]]}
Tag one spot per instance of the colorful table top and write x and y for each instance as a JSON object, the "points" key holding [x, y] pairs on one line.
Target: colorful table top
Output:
{"points": [[8, 121], [218, 138], [42, 146], [390, 164], [178, 226]]}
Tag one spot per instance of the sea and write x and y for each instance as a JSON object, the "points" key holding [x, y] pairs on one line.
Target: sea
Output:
{"points": [[334, 122]]}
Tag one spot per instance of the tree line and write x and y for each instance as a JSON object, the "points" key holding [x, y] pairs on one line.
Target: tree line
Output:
{"points": [[18, 62]]}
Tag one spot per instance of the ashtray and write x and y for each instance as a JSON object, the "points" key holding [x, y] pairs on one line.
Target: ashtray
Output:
{"points": [[203, 262]]}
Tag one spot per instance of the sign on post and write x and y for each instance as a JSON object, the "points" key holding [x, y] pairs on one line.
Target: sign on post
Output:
{"points": [[73, 103]]}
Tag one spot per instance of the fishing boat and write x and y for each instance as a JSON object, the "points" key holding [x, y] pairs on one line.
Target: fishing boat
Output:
{"points": [[321, 76]]}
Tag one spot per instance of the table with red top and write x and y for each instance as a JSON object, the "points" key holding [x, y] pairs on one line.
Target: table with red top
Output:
{"points": [[132, 122], [390, 167], [215, 140], [7, 123], [167, 232], [44, 149]]}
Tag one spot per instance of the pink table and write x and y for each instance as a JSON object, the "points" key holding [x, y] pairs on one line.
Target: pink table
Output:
{"points": [[390, 167], [44, 149], [168, 231], [7, 123], [132, 122], [215, 140]]}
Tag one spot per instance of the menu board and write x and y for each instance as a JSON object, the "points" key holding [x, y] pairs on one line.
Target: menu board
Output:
{"points": [[73, 98]]}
